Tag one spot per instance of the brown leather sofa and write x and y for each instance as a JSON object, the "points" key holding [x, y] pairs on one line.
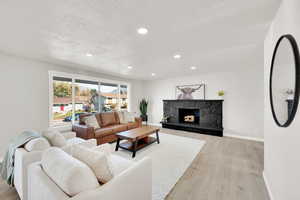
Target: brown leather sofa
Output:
{"points": [[110, 125]]}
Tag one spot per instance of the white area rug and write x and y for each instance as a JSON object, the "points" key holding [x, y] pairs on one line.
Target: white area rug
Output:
{"points": [[170, 159]]}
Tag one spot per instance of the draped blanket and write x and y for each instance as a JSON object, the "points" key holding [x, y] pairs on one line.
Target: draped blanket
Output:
{"points": [[7, 165]]}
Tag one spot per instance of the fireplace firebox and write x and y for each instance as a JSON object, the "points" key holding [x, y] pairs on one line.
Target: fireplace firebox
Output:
{"points": [[189, 116]]}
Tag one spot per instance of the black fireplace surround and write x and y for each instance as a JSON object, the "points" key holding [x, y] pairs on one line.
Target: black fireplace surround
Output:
{"points": [[202, 116]]}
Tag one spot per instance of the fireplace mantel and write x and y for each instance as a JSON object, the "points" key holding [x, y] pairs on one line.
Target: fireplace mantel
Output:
{"points": [[211, 115]]}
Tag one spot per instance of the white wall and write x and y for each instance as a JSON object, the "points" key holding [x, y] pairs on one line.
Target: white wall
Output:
{"points": [[24, 95], [282, 145], [243, 100]]}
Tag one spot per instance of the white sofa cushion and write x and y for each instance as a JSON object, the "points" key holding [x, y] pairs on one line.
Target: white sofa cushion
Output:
{"points": [[70, 174], [107, 148], [55, 138], [69, 134], [96, 160], [75, 140], [37, 144], [118, 164]]}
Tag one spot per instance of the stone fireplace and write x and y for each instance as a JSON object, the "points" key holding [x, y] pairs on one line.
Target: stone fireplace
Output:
{"points": [[202, 116]]}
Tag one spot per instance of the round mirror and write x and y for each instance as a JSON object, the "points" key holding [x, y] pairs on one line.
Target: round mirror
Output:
{"points": [[284, 80]]}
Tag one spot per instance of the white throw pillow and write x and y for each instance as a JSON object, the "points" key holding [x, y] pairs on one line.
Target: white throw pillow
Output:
{"points": [[91, 121], [129, 116], [37, 144], [96, 160], [55, 138], [70, 174], [121, 117]]}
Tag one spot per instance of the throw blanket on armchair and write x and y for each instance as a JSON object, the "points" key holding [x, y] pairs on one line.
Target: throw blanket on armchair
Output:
{"points": [[7, 165]]}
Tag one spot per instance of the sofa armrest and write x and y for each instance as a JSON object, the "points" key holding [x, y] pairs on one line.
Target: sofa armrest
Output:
{"points": [[23, 159], [126, 185], [69, 135], [41, 187], [83, 131], [139, 121]]}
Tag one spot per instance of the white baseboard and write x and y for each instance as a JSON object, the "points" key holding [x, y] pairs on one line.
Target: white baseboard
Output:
{"points": [[245, 137], [268, 186], [226, 135], [154, 124]]}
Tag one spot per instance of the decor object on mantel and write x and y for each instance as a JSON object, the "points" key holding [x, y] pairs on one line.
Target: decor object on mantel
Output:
{"points": [[186, 91], [165, 119], [143, 110], [202, 116], [221, 94]]}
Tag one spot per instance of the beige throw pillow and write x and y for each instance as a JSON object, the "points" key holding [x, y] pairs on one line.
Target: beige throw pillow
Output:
{"points": [[55, 138], [121, 117], [96, 160], [70, 174], [91, 121], [129, 116]]}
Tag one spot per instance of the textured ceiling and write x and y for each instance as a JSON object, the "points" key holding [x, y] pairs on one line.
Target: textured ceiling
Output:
{"points": [[214, 35]]}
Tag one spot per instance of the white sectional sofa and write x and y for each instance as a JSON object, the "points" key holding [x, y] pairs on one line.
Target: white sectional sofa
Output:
{"points": [[131, 181], [24, 158]]}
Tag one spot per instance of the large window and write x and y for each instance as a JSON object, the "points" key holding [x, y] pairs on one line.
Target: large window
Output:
{"points": [[86, 97], [62, 101], [72, 95], [110, 94]]}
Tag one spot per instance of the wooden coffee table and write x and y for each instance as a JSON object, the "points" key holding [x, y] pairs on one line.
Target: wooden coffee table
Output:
{"points": [[137, 138]]}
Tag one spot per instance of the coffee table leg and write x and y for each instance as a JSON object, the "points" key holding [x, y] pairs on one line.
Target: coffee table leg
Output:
{"points": [[118, 143], [134, 148], [157, 137]]}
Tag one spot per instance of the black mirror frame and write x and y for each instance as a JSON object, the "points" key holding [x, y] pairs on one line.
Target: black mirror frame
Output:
{"points": [[295, 49]]}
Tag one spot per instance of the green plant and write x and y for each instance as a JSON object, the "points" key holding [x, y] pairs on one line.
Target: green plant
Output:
{"points": [[143, 107], [221, 93]]}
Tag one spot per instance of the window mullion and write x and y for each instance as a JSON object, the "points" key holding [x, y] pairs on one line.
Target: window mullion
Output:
{"points": [[73, 100]]}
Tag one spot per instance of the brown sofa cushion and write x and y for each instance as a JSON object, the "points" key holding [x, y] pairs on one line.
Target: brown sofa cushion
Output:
{"points": [[108, 118], [132, 125], [119, 128], [101, 132]]}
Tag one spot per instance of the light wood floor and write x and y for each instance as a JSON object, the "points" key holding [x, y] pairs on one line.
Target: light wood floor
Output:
{"points": [[225, 169]]}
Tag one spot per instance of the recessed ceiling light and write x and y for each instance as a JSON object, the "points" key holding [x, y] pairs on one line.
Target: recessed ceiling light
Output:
{"points": [[142, 31], [89, 55], [193, 67], [177, 56], [129, 67], [153, 74]]}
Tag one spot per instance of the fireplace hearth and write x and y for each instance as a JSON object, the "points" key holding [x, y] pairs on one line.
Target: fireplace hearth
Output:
{"points": [[202, 116]]}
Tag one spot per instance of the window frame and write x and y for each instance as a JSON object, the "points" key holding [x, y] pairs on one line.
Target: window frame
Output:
{"points": [[82, 77]]}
